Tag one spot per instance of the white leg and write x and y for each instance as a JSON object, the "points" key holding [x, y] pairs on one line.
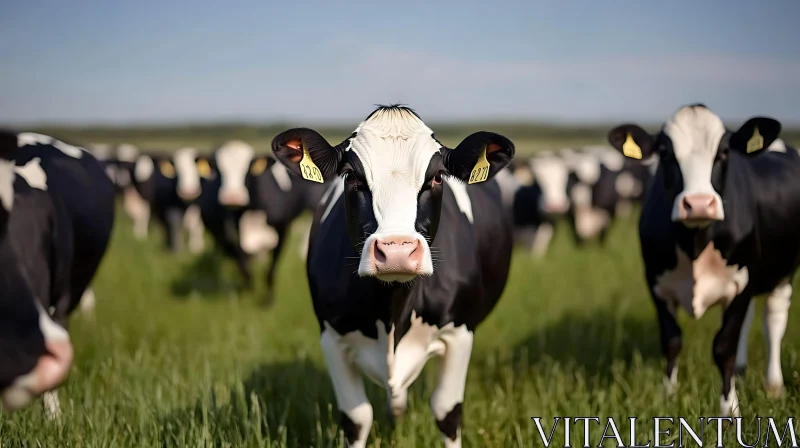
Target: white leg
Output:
{"points": [[348, 386], [87, 301], [397, 403], [541, 240], [193, 223], [776, 314], [741, 350], [139, 211], [729, 406], [448, 396], [52, 407]]}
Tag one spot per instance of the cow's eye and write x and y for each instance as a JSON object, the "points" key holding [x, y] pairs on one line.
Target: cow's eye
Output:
{"points": [[722, 154], [350, 178], [437, 178]]}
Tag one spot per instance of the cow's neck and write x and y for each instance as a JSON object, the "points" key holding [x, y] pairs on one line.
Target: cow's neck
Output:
{"points": [[403, 299]]}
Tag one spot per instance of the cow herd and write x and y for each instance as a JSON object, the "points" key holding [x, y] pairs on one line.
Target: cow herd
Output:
{"points": [[410, 244]]}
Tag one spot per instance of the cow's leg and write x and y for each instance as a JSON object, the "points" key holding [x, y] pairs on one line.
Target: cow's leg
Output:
{"points": [[303, 249], [52, 406], [671, 341], [138, 210], [348, 386], [776, 314], [273, 264], [448, 397], [541, 239], [741, 350], [193, 223], [174, 218], [88, 301], [725, 346]]}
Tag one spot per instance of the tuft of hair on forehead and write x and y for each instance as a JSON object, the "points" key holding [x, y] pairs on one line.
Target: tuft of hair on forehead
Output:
{"points": [[395, 120], [698, 123]]}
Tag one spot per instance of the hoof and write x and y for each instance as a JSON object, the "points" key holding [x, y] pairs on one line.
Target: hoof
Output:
{"points": [[775, 391]]}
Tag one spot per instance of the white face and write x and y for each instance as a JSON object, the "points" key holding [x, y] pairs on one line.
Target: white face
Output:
{"points": [[7, 184], [187, 173], [551, 174], [696, 133], [143, 168], [395, 149], [233, 163]]}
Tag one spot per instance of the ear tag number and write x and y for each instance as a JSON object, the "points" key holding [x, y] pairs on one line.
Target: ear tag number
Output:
{"points": [[631, 149], [167, 170], [258, 167], [756, 142], [481, 171], [309, 169]]}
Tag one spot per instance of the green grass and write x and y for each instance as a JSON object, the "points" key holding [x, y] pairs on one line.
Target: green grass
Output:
{"points": [[574, 335]]}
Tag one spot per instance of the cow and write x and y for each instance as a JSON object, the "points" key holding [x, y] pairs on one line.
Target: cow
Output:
{"points": [[171, 185], [249, 206], [56, 219], [408, 254], [718, 227]]}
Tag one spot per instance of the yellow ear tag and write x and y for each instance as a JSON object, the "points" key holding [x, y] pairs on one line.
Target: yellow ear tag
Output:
{"points": [[481, 170], [309, 169], [631, 149], [756, 142], [167, 169], [203, 168], [258, 167]]}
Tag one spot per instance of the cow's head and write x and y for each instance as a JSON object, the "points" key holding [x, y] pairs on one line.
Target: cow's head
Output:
{"points": [[35, 353], [189, 169], [236, 164], [393, 169], [694, 149], [550, 173]]}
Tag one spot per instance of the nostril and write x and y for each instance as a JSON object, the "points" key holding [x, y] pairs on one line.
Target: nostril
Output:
{"points": [[687, 205], [380, 256]]}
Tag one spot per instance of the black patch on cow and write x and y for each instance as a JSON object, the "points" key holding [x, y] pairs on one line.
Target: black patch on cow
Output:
{"points": [[351, 429], [451, 422]]}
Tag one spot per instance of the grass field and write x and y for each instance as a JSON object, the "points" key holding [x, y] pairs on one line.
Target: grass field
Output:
{"points": [[172, 357]]}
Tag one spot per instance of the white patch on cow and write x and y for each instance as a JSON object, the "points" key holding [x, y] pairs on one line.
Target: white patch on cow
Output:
{"points": [[395, 148], [335, 192], [671, 382], [111, 172], [281, 175], [127, 152], [186, 170], [695, 133], [627, 186], [193, 223], [776, 315], [729, 406], [138, 210], [33, 174], [551, 174], [459, 190], [586, 167], [452, 379], [609, 157], [541, 240], [143, 169], [7, 184], [255, 235], [700, 284], [778, 145], [32, 138], [302, 248], [233, 163]]}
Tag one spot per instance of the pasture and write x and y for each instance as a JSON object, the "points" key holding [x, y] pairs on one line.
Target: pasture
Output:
{"points": [[173, 357]]}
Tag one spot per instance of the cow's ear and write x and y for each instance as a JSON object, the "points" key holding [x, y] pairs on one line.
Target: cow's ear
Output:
{"points": [[479, 156], [756, 134], [632, 141], [306, 153], [204, 167]]}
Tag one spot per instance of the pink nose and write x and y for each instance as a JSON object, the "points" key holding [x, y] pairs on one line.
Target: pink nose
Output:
{"points": [[401, 255], [235, 197], [699, 207], [188, 193], [556, 207]]}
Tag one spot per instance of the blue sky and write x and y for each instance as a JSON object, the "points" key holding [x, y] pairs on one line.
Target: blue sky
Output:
{"points": [[101, 61]]}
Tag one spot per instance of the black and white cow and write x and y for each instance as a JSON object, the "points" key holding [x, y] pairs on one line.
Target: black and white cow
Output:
{"points": [[56, 218], [405, 259], [170, 185], [718, 226], [250, 204]]}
